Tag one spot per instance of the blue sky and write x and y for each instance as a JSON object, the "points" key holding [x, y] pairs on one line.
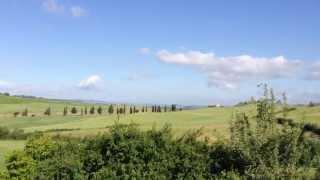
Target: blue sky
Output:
{"points": [[185, 52]]}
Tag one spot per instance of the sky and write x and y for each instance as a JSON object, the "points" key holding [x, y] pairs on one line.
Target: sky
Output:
{"points": [[162, 51]]}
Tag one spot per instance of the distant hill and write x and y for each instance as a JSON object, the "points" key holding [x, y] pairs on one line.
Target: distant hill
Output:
{"points": [[20, 99]]}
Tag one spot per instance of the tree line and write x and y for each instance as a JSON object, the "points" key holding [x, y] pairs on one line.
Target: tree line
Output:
{"points": [[112, 109]]}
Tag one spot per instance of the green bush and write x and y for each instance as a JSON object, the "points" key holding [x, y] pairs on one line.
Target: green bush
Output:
{"points": [[64, 163], [274, 151], [128, 153], [4, 132], [20, 165], [16, 134], [225, 158], [40, 147]]}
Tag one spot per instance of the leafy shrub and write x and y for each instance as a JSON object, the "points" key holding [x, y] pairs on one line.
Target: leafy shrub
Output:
{"points": [[224, 158], [4, 132], [19, 165], [124, 153], [63, 164], [4, 174], [128, 153], [274, 151], [16, 134], [40, 147]]}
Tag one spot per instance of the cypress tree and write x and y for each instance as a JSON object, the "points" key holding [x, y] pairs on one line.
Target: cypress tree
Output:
{"points": [[74, 110], [99, 110], [85, 110], [110, 110], [47, 111], [65, 111], [25, 112], [173, 107], [92, 110], [130, 110]]}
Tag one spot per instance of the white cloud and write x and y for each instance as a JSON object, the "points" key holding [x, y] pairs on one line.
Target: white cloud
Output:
{"points": [[77, 11], [144, 51], [314, 72], [228, 72], [93, 82], [52, 6], [189, 58]]}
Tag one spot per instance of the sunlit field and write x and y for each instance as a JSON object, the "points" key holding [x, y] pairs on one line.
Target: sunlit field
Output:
{"points": [[213, 121]]}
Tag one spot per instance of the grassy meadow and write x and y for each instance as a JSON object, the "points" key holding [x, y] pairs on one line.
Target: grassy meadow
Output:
{"points": [[214, 121]]}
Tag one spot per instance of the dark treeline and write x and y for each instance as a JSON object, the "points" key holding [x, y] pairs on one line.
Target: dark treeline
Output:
{"points": [[117, 109], [258, 148], [5, 93], [165, 108]]}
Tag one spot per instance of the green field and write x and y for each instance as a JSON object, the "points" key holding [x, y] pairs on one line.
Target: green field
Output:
{"points": [[213, 118], [214, 121]]}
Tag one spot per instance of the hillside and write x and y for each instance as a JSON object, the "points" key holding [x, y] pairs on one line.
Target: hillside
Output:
{"points": [[210, 118], [213, 121]]}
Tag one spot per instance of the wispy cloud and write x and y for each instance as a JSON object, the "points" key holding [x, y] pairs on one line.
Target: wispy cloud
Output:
{"points": [[228, 72], [144, 51], [314, 71], [52, 6], [77, 11], [93, 82]]}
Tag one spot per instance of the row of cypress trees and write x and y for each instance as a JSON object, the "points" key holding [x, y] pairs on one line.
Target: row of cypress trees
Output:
{"points": [[83, 111], [172, 108], [118, 109]]}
